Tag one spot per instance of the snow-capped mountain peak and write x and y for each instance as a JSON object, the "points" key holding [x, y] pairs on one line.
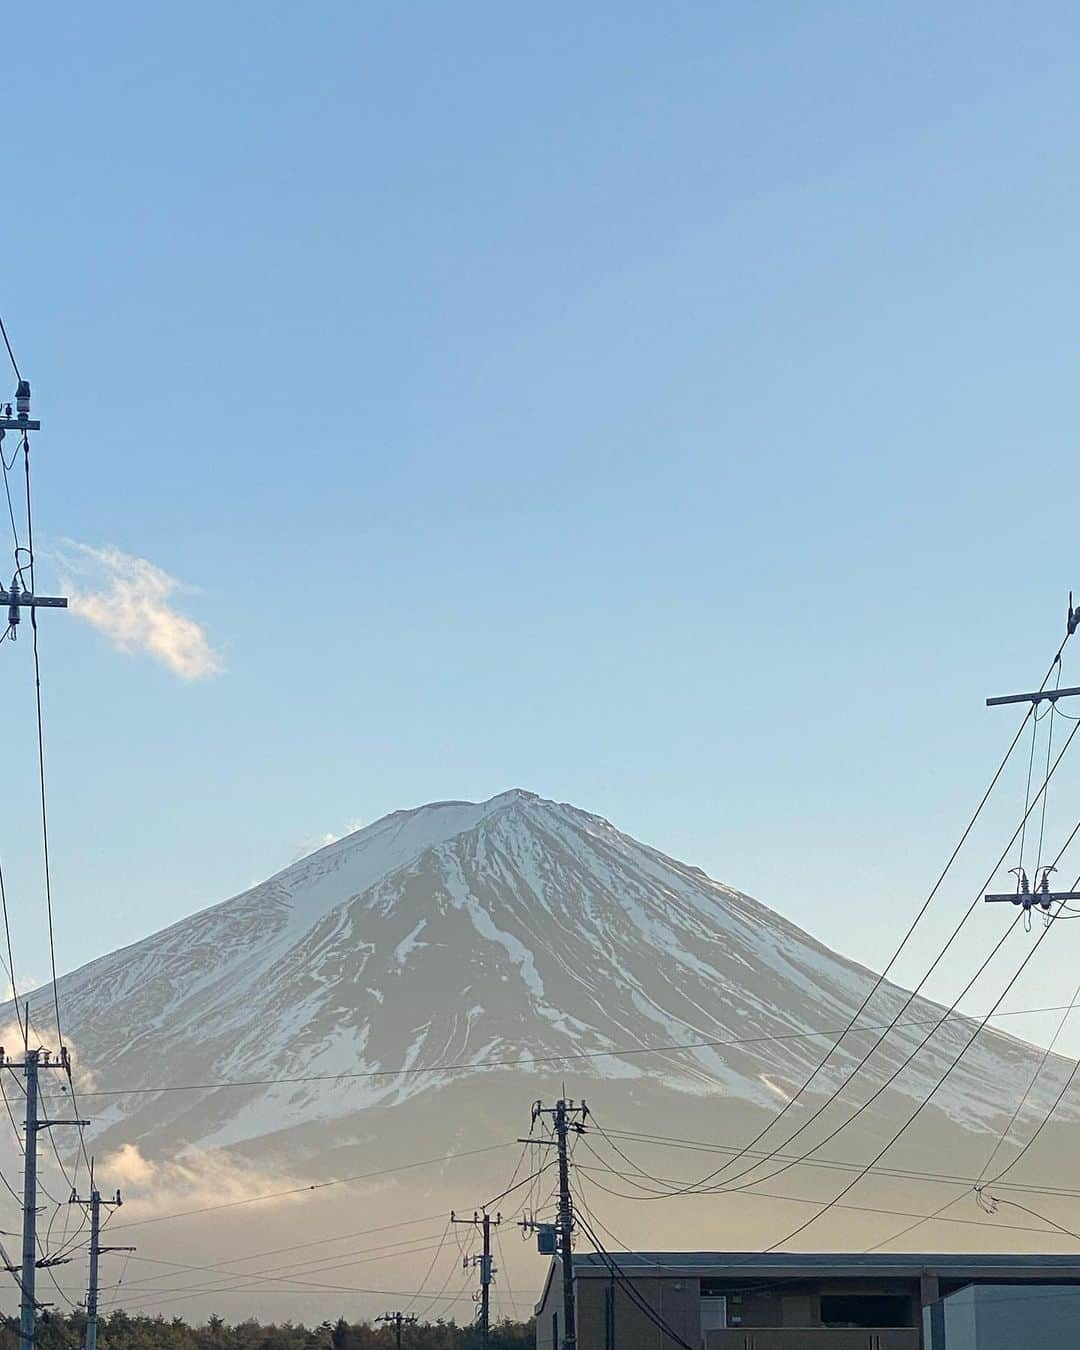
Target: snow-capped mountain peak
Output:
{"points": [[460, 933]]}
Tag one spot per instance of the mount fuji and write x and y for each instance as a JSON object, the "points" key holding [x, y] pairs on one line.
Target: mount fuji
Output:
{"points": [[374, 1022], [461, 933]]}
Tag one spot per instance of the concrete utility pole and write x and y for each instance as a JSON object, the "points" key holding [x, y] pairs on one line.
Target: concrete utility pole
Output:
{"points": [[17, 597], [31, 1064], [95, 1203], [1035, 891], [28, 1304], [566, 1118], [398, 1320], [487, 1267]]}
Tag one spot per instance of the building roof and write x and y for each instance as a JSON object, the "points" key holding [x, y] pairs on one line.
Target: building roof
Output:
{"points": [[845, 1265]]}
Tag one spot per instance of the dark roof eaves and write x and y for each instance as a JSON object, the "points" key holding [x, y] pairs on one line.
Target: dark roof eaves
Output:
{"points": [[726, 1264]]}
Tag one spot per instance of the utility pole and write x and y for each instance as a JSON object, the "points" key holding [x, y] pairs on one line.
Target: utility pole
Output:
{"points": [[399, 1320], [566, 1118], [18, 598], [487, 1267], [95, 1203], [1033, 892], [31, 1064]]}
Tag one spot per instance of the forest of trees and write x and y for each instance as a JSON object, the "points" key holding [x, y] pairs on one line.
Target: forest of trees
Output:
{"points": [[123, 1331]]}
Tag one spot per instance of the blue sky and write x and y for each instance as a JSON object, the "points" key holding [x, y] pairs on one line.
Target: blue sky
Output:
{"points": [[670, 409]]}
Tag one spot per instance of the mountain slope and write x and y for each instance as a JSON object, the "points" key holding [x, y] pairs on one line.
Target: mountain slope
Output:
{"points": [[459, 933]]}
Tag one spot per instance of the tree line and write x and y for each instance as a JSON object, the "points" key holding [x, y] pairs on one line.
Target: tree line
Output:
{"points": [[129, 1331]]}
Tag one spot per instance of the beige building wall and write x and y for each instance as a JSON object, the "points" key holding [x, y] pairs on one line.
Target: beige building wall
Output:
{"points": [[677, 1301], [771, 1319]]}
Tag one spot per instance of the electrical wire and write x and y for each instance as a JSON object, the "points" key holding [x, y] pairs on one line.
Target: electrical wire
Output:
{"points": [[922, 1219], [856, 1209], [313, 1186], [634, 1294], [588, 1171], [1027, 1093], [1049, 747], [41, 1184], [295, 1273], [10, 964], [427, 1276], [729, 1183], [836, 1164], [880, 979], [524, 1182], [503, 1268], [43, 800], [41, 742], [464, 1255], [994, 1181], [918, 1110], [1027, 787], [1035, 1213], [625, 1051], [281, 1251], [71, 1179], [11, 354]]}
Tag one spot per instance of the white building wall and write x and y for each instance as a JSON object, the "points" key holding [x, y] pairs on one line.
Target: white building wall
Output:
{"points": [[1007, 1317]]}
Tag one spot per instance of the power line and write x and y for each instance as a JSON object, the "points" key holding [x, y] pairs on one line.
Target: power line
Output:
{"points": [[1035, 1213], [728, 1183], [11, 354], [41, 741], [168, 1297], [716, 1043], [295, 1269], [10, 966], [280, 1251], [879, 981], [429, 1303], [427, 1275], [381, 1252], [1027, 1093], [925, 1102], [754, 1194], [525, 1181], [634, 1294], [314, 1186], [865, 1168], [921, 1219], [1046, 768], [831, 1164], [1041, 1126]]}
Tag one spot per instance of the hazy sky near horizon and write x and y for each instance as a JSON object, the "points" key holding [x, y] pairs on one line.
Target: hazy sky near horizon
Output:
{"points": [[669, 409]]}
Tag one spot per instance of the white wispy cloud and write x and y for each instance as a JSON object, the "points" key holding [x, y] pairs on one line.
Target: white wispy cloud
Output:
{"points": [[129, 599], [196, 1177]]}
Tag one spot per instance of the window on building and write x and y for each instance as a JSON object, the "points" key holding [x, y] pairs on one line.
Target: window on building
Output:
{"points": [[865, 1310], [714, 1313]]}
